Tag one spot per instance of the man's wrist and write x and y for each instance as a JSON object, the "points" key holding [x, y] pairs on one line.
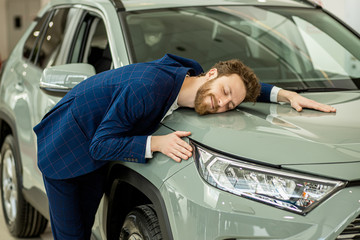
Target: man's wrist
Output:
{"points": [[285, 96], [274, 94]]}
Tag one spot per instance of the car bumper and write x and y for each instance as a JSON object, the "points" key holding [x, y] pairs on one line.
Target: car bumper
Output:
{"points": [[200, 211]]}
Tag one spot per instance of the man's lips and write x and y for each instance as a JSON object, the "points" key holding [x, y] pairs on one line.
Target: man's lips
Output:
{"points": [[212, 102]]}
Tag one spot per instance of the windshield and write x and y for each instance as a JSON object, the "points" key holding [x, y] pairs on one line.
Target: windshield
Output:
{"points": [[293, 48]]}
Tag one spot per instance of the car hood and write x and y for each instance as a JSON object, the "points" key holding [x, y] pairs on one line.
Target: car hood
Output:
{"points": [[311, 141]]}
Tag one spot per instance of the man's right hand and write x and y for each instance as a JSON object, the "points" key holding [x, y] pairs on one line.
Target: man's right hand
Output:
{"points": [[172, 145]]}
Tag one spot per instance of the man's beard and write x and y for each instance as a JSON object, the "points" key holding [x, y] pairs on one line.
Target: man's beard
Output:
{"points": [[204, 91]]}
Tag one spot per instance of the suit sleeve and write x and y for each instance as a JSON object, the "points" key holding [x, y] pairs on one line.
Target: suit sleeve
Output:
{"points": [[265, 92], [112, 139]]}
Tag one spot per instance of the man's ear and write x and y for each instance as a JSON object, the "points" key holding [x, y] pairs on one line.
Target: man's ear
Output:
{"points": [[211, 74]]}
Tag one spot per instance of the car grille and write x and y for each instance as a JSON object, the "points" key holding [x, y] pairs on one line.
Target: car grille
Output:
{"points": [[352, 231]]}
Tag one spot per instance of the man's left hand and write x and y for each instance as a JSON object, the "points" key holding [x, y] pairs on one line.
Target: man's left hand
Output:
{"points": [[299, 102]]}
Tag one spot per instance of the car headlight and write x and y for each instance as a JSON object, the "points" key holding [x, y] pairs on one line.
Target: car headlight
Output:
{"points": [[287, 190]]}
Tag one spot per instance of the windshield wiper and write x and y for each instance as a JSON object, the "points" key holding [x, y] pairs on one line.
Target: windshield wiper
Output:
{"points": [[300, 90]]}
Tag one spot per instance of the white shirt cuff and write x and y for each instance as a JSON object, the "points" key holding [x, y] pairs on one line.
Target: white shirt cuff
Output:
{"points": [[274, 94], [148, 153]]}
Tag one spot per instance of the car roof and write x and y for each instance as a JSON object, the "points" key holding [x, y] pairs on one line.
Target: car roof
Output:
{"points": [[136, 5], [131, 5]]}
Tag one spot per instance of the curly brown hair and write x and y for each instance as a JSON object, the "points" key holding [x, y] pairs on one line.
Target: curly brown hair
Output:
{"points": [[235, 66]]}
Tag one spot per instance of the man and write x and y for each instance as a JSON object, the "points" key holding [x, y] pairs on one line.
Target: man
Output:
{"points": [[112, 115]]}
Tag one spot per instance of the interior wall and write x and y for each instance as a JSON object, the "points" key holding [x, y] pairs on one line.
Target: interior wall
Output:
{"points": [[15, 17], [3, 30], [44, 2], [346, 10], [20, 13]]}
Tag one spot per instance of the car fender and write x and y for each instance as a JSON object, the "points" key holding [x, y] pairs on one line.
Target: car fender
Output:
{"points": [[121, 181]]}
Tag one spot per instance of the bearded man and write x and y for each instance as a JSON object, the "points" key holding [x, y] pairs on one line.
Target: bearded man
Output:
{"points": [[111, 116]]}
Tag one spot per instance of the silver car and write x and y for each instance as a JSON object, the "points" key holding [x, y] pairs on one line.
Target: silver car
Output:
{"points": [[261, 171]]}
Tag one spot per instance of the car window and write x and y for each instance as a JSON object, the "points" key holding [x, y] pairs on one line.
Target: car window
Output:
{"points": [[53, 37], [91, 44], [34, 36], [297, 49]]}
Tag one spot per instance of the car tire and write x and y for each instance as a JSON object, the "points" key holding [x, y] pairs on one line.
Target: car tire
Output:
{"points": [[21, 218], [141, 224]]}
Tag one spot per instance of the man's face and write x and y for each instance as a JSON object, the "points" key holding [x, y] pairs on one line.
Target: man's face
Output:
{"points": [[220, 94]]}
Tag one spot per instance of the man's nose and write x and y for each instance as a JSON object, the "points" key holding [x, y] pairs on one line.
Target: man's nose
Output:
{"points": [[223, 100]]}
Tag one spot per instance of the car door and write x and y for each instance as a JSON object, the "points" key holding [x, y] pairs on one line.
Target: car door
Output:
{"points": [[22, 106], [86, 41], [43, 48]]}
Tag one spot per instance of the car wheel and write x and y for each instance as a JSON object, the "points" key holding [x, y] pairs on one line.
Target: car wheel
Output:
{"points": [[21, 218], [141, 224]]}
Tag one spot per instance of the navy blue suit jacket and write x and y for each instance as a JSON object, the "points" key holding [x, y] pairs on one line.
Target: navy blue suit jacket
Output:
{"points": [[109, 116]]}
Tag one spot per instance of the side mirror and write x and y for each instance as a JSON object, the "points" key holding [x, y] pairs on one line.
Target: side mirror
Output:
{"points": [[58, 80]]}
